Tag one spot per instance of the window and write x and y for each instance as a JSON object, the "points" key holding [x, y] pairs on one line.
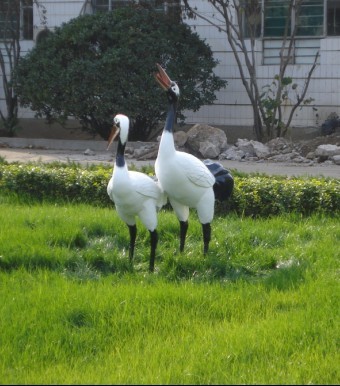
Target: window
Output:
{"points": [[16, 19], [171, 7], [333, 18], [8, 19], [303, 19], [310, 18], [26, 19], [276, 18], [107, 5], [280, 19], [249, 15]]}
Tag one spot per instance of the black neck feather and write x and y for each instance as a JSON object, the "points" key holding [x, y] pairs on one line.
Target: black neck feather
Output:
{"points": [[171, 117], [120, 160]]}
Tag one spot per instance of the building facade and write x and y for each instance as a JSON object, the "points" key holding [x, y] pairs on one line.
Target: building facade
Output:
{"points": [[318, 31]]}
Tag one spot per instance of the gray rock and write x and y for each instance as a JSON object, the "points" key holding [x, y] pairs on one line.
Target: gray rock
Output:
{"points": [[246, 146], [279, 145], [233, 154], [205, 133], [180, 138], [89, 152], [209, 150], [336, 159], [260, 150], [327, 150]]}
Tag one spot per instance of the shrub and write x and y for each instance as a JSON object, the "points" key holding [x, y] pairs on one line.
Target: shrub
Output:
{"points": [[252, 195], [96, 66]]}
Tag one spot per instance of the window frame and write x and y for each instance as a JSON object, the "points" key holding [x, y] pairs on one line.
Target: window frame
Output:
{"points": [[26, 19], [291, 25], [333, 5], [327, 27], [21, 21], [159, 5]]}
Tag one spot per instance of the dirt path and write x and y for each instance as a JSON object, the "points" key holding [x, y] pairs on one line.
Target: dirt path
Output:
{"points": [[104, 157]]}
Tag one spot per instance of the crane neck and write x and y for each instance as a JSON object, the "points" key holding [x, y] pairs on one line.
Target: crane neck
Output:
{"points": [[120, 159], [171, 116], [167, 143]]}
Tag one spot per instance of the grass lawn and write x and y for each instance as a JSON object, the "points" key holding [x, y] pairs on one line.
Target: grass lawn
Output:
{"points": [[261, 308]]}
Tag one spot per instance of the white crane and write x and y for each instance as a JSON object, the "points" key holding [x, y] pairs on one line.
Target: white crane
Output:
{"points": [[185, 179], [134, 193]]}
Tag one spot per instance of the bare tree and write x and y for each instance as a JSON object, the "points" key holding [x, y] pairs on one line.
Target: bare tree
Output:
{"points": [[232, 16], [12, 14]]}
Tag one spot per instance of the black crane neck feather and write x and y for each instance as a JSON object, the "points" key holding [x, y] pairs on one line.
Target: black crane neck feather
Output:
{"points": [[120, 159], [171, 117]]}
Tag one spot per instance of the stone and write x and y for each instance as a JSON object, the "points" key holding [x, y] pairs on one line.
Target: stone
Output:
{"points": [[205, 133], [246, 146], [89, 152], [233, 154], [146, 152], [336, 159], [260, 150], [279, 145], [327, 150], [209, 150], [180, 138]]}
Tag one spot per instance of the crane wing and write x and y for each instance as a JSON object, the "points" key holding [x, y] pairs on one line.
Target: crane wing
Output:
{"points": [[145, 185], [196, 171]]}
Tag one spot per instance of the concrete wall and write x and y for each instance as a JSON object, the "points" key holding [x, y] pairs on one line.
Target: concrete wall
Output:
{"points": [[232, 108], [38, 128], [232, 105]]}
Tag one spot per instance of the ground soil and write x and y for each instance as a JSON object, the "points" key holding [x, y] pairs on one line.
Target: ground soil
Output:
{"points": [[307, 146], [49, 154]]}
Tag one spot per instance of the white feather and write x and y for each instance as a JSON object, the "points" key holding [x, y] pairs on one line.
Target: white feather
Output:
{"points": [[186, 180], [135, 194]]}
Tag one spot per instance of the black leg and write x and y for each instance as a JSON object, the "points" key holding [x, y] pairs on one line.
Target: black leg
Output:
{"points": [[133, 233], [153, 241], [183, 228], [206, 237]]}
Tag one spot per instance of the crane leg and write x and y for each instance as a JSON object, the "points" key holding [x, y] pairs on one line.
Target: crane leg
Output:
{"points": [[133, 233], [206, 237], [183, 232], [153, 241]]}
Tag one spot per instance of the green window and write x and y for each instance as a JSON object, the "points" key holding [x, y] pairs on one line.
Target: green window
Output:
{"points": [[276, 18], [26, 19], [280, 19], [309, 18], [172, 7], [333, 18], [16, 19]]}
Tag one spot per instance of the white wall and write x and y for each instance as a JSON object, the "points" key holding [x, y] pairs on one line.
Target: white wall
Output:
{"points": [[232, 107], [57, 12]]}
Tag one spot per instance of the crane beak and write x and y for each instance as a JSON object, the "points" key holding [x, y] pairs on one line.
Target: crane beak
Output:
{"points": [[113, 135], [162, 78]]}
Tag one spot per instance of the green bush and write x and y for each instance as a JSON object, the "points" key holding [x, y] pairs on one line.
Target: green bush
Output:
{"points": [[43, 182], [252, 195], [95, 66], [264, 196]]}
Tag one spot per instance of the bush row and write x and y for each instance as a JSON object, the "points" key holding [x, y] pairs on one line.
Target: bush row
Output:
{"points": [[253, 195]]}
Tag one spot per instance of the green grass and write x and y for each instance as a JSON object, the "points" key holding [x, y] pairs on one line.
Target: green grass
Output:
{"points": [[261, 308]]}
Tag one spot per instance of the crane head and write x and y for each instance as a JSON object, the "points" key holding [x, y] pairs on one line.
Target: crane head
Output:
{"points": [[120, 127], [166, 83]]}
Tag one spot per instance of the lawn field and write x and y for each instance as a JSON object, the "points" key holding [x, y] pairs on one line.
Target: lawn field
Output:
{"points": [[261, 308]]}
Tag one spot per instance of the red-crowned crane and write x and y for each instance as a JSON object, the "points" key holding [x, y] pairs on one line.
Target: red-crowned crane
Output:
{"points": [[187, 181], [184, 178], [134, 193]]}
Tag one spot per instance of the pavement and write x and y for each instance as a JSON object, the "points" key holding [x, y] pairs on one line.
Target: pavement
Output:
{"points": [[87, 152]]}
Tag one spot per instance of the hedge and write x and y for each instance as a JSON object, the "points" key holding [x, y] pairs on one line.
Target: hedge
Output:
{"points": [[253, 195]]}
